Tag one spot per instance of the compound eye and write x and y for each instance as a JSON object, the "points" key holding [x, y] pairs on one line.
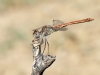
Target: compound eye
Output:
{"points": [[37, 35]]}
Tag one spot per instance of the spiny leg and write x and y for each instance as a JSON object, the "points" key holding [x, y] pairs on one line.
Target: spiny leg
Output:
{"points": [[48, 45], [44, 45]]}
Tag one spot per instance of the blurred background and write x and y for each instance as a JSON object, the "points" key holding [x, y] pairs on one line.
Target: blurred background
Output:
{"points": [[77, 50]]}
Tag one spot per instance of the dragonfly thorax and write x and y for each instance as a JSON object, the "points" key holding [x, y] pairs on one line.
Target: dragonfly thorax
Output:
{"points": [[48, 31]]}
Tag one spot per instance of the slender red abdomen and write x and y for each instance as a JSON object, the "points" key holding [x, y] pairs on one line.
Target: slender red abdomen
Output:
{"points": [[74, 22]]}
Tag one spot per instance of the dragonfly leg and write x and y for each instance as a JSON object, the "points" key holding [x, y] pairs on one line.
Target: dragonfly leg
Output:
{"points": [[44, 46], [48, 45]]}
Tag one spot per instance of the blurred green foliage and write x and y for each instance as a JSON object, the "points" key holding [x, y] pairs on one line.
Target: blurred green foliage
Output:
{"points": [[14, 35]]}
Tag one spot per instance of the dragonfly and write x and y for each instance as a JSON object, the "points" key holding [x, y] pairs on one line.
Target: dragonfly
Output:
{"points": [[57, 25]]}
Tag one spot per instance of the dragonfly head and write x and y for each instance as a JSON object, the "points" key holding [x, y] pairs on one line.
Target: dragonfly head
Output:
{"points": [[36, 34]]}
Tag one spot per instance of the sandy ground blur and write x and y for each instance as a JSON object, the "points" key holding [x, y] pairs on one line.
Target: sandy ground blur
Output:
{"points": [[77, 49]]}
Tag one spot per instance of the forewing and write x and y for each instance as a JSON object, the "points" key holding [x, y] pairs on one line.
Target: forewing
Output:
{"points": [[57, 22], [63, 29]]}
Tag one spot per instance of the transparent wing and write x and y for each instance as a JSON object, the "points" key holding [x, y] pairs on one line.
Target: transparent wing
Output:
{"points": [[57, 22]]}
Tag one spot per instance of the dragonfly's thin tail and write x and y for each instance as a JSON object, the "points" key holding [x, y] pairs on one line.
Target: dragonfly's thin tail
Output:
{"points": [[80, 21], [74, 22]]}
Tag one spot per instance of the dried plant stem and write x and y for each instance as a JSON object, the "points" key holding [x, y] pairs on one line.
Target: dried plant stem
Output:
{"points": [[40, 62]]}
